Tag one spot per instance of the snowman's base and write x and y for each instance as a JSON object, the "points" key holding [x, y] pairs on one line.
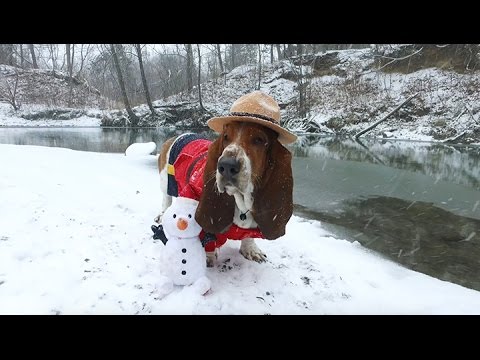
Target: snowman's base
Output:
{"points": [[165, 286]]}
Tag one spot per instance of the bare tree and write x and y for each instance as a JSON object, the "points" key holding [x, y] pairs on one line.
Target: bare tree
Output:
{"points": [[302, 86], [199, 73], [144, 79], [259, 66], [279, 52], [133, 118], [232, 55], [22, 60], [188, 47], [8, 91], [32, 54], [6, 54], [220, 62], [300, 49], [290, 51], [271, 53], [70, 52], [84, 53]]}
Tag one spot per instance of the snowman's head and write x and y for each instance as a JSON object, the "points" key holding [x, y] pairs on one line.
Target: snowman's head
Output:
{"points": [[179, 218]]}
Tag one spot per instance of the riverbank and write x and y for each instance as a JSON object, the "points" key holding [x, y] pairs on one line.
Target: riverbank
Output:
{"points": [[92, 221], [348, 91]]}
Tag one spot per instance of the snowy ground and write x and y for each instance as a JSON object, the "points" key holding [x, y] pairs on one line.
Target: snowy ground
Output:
{"points": [[9, 118], [75, 239]]}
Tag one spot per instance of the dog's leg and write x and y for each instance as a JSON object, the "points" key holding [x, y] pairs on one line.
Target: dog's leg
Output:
{"points": [[250, 251], [211, 257], [166, 199]]}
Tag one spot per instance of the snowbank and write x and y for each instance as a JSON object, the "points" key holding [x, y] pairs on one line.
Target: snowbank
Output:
{"points": [[75, 239]]}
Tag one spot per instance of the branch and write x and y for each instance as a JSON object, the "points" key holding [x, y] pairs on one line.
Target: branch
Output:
{"points": [[386, 117], [390, 62]]}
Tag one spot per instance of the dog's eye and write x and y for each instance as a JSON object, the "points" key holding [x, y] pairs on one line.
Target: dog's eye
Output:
{"points": [[189, 216], [225, 137], [257, 140], [174, 216]]}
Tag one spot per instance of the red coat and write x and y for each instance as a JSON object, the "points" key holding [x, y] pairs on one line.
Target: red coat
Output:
{"points": [[188, 170]]}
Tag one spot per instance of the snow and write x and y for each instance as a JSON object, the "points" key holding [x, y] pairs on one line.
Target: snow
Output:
{"points": [[75, 238], [141, 149], [9, 118]]}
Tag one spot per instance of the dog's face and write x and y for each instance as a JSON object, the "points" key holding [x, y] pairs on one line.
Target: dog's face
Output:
{"points": [[247, 158], [244, 156]]}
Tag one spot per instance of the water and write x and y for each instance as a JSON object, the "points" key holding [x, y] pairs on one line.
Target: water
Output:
{"points": [[416, 203]]}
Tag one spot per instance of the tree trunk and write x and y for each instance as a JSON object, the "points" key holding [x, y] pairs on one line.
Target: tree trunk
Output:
{"points": [[6, 54], [131, 115], [232, 57], [279, 52], [289, 50], [301, 85], [67, 51], [199, 73], [385, 117], [70, 72], [189, 67], [299, 49], [220, 62], [144, 79], [21, 56], [271, 53], [34, 58], [259, 66]]}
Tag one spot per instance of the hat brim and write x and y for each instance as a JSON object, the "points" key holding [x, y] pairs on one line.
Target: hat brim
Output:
{"points": [[284, 136]]}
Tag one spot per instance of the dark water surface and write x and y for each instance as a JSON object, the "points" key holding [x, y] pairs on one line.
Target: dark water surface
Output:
{"points": [[416, 203]]}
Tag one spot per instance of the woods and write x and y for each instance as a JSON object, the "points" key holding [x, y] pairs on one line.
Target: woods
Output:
{"points": [[339, 88], [149, 72]]}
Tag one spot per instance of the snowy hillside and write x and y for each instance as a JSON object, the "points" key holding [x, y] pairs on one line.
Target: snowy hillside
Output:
{"points": [[75, 239], [347, 91], [51, 88]]}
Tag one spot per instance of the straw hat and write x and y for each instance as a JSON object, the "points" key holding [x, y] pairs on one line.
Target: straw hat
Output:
{"points": [[256, 107]]}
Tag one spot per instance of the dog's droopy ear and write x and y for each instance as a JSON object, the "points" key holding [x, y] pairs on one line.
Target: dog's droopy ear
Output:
{"points": [[215, 210], [273, 201]]}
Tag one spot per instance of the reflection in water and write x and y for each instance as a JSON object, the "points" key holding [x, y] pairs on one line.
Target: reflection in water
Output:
{"points": [[458, 164], [416, 234], [111, 140], [416, 203]]}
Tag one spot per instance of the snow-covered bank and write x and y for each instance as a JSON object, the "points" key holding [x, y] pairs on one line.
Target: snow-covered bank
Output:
{"points": [[32, 116], [75, 238], [347, 92]]}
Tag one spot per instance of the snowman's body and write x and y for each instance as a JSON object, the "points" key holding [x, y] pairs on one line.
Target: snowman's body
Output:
{"points": [[183, 260]]}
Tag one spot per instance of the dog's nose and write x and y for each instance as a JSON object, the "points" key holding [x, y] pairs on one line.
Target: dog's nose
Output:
{"points": [[228, 167]]}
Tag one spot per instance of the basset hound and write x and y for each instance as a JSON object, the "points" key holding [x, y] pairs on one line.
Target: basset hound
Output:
{"points": [[242, 180]]}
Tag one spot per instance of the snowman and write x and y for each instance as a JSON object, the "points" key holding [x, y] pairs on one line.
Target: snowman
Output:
{"points": [[184, 259]]}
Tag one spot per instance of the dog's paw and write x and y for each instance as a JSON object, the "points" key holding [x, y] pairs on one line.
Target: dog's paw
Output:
{"points": [[250, 251], [211, 257]]}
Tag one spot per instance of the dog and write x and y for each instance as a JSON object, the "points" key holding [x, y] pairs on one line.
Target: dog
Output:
{"points": [[242, 180]]}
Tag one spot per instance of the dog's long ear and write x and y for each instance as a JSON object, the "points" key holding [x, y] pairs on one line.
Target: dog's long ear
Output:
{"points": [[215, 210], [273, 200]]}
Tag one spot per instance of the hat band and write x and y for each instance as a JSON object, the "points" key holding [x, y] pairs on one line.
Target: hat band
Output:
{"points": [[263, 117]]}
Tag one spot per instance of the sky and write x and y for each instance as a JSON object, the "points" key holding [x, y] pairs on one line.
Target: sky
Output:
{"points": [[75, 238]]}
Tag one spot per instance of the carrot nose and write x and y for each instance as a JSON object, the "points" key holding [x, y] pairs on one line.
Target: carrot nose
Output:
{"points": [[182, 224]]}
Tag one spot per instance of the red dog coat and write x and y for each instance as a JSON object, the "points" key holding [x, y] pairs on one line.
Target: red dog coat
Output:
{"points": [[188, 157]]}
